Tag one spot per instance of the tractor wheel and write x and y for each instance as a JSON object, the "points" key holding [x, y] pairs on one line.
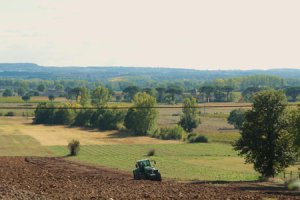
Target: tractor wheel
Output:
{"points": [[136, 176], [158, 177]]}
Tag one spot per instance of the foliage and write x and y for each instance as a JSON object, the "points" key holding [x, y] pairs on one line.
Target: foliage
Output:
{"points": [[130, 92], [293, 92], [142, 118], [190, 118], [107, 119], [294, 119], [265, 140], [83, 118], [51, 97], [100, 96], [26, 98], [64, 115], [21, 91], [7, 93], [237, 118], [175, 133], [195, 138], [151, 152], [10, 114], [41, 88], [80, 94], [44, 114], [74, 147], [294, 184]]}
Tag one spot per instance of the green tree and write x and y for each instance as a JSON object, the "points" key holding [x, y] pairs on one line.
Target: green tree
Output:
{"points": [[265, 140], [236, 118], [7, 93], [41, 88], [100, 96], [51, 97], [80, 94], [207, 91], [21, 91], [293, 92], [142, 118], [26, 98], [130, 91], [190, 118]]}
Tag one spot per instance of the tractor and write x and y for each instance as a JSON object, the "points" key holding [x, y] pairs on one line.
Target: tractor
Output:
{"points": [[145, 170]]}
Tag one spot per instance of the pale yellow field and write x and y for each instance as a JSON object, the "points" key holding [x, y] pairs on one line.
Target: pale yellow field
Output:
{"points": [[61, 135]]}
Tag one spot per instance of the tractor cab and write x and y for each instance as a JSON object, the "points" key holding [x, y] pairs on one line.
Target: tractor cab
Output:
{"points": [[145, 169]]}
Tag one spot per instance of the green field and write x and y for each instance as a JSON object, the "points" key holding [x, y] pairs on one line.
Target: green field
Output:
{"points": [[178, 161], [213, 161]]}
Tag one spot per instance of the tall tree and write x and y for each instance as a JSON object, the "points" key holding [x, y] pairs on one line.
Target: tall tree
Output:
{"points": [[293, 92], [190, 118], [7, 93], [41, 88], [265, 140], [160, 94], [142, 117], [207, 91], [130, 91], [100, 96]]}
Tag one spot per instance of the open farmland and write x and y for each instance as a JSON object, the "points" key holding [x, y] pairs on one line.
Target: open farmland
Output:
{"points": [[116, 153]]}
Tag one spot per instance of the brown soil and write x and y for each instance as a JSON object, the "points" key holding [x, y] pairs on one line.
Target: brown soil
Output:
{"points": [[56, 178]]}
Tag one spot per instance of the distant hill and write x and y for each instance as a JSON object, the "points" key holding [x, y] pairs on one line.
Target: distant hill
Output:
{"points": [[30, 70]]}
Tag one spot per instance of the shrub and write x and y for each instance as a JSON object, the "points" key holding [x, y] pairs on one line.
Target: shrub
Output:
{"points": [[175, 133], [64, 116], [44, 114], [194, 138], [151, 152], [105, 119], [1, 114], [237, 118], [294, 184], [10, 114], [83, 118], [74, 147]]}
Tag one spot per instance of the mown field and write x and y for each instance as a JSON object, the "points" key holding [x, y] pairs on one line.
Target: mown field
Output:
{"points": [[215, 160]]}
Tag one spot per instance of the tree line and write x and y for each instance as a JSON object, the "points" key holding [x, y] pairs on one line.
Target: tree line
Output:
{"points": [[165, 91]]}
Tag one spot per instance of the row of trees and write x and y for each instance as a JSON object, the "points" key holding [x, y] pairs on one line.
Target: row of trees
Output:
{"points": [[141, 119], [270, 132]]}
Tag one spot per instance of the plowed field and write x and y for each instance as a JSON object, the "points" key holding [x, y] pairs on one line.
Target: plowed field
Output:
{"points": [[57, 178]]}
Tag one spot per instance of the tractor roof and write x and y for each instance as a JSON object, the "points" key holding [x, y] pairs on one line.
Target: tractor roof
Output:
{"points": [[142, 160]]}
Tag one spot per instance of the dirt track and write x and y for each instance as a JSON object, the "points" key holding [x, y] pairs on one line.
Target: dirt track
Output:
{"points": [[55, 178]]}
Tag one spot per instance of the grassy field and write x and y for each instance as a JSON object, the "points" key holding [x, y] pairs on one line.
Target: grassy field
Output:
{"points": [[178, 161], [213, 161]]}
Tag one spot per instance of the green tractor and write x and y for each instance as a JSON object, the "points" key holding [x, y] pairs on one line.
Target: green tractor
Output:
{"points": [[145, 170]]}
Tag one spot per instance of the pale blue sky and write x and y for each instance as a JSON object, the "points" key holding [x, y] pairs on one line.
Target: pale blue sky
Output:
{"points": [[211, 34]]}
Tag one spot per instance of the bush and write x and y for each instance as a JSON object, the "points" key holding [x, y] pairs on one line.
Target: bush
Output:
{"points": [[194, 138], [1, 114], [237, 118], [83, 118], [64, 116], [151, 152], [294, 184], [10, 114], [44, 114], [74, 147], [175, 133], [107, 119]]}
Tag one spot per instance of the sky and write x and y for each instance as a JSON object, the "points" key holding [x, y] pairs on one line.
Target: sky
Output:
{"points": [[198, 34]]}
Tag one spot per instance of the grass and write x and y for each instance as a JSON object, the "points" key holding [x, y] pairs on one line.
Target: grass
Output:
{"points": [[21, 145], [212, 161], [178, 161]]}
